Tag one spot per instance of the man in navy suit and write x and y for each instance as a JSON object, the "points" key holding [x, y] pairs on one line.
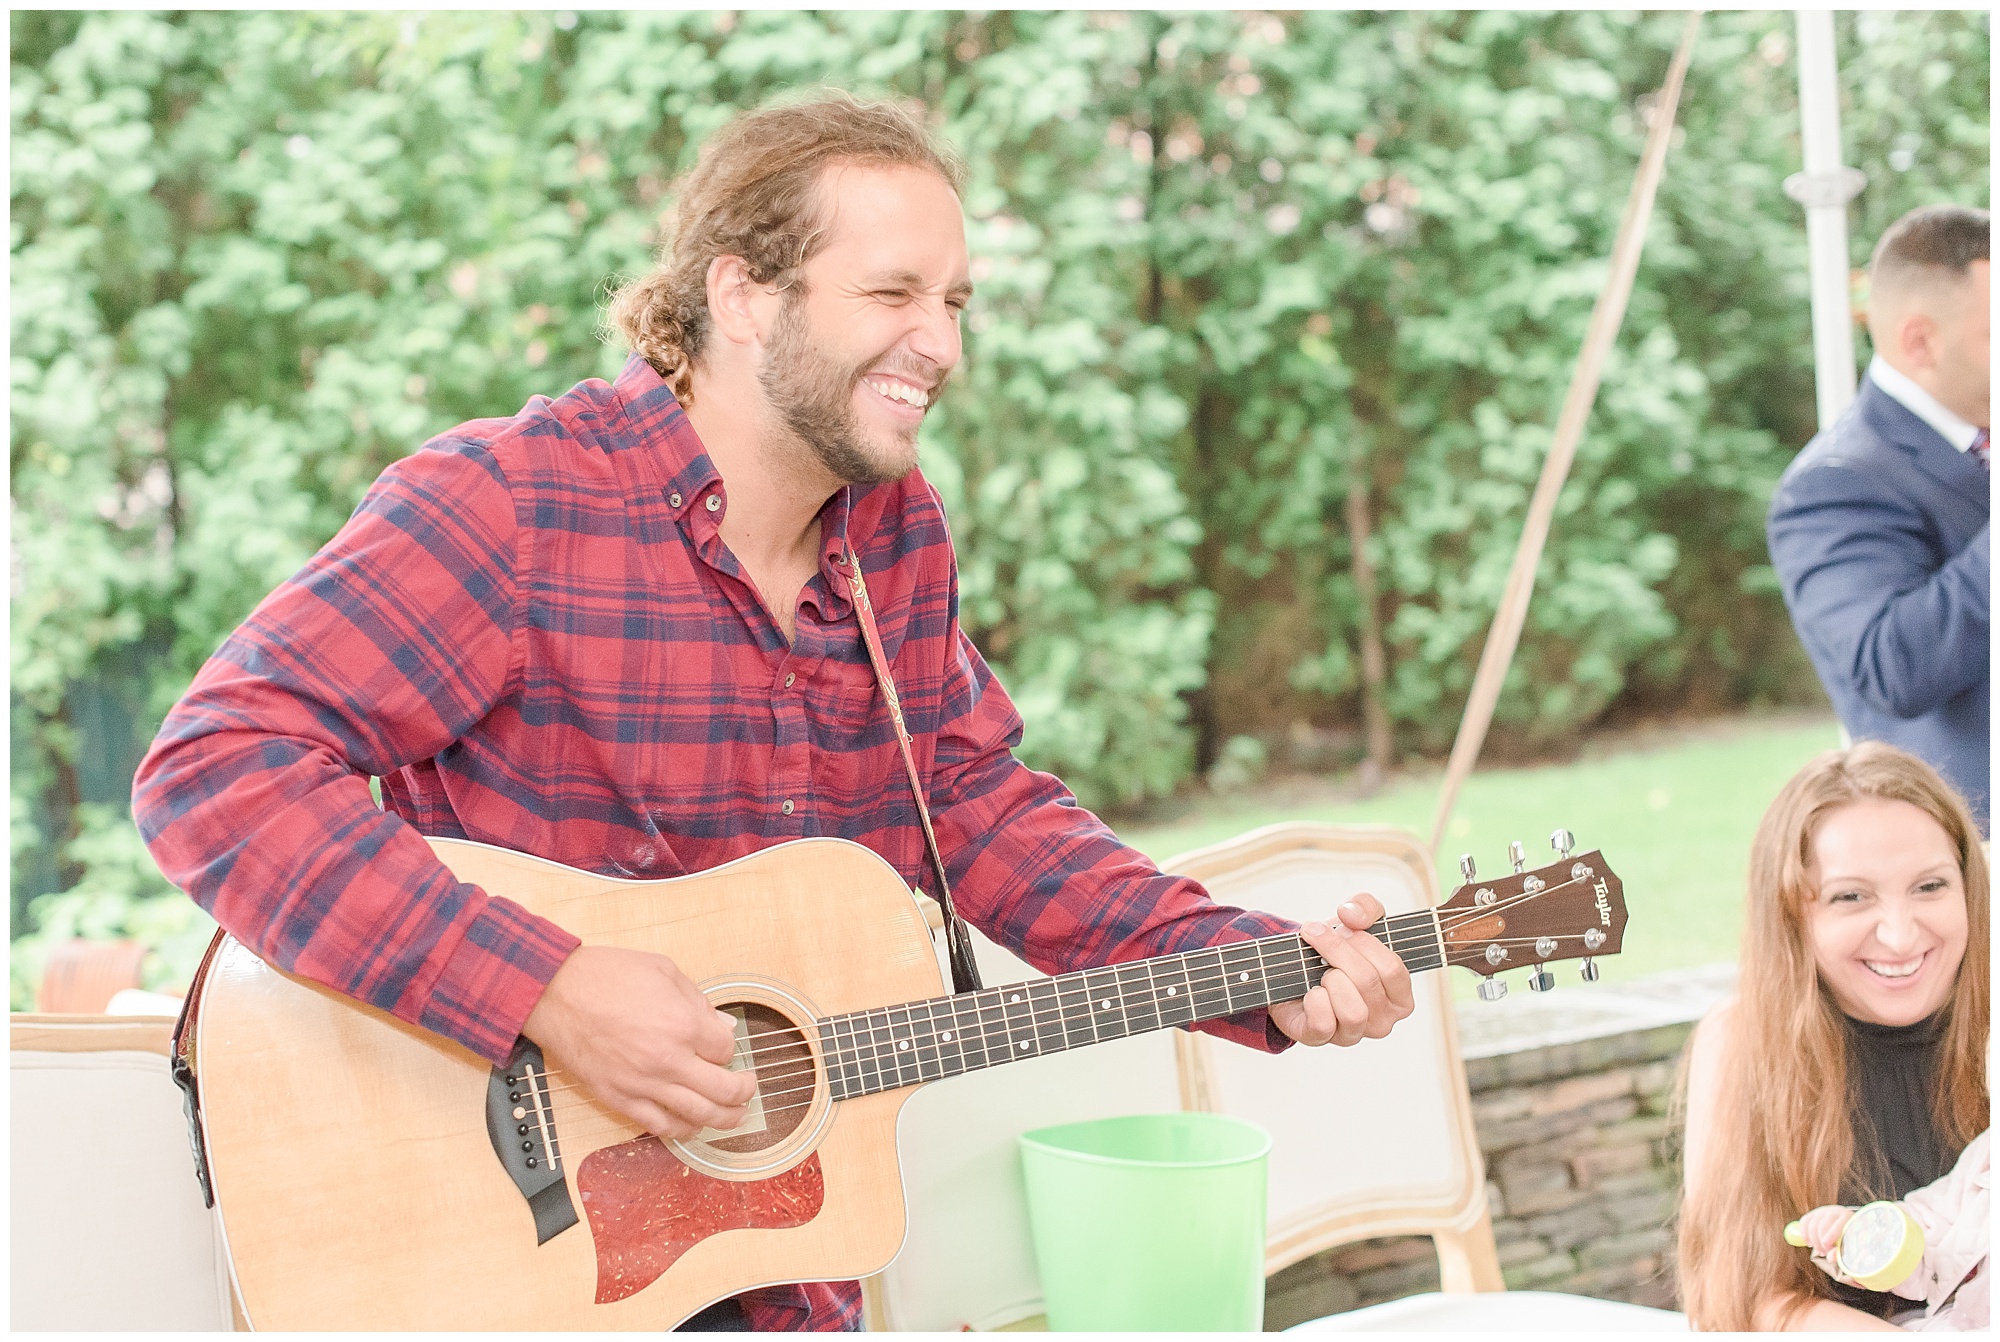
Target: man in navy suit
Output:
{"points": [[1879, 527]]}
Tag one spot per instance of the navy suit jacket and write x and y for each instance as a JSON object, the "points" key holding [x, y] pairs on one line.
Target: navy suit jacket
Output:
{"points": [[1878, 532]]}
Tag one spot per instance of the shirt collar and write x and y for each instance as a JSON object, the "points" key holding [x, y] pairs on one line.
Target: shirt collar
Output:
{"points": [[670, 455], [1922, 404], [673, 459]]}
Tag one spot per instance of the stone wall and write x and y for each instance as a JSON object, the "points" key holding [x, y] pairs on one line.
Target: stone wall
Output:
{"points": [[1569, 1095]]}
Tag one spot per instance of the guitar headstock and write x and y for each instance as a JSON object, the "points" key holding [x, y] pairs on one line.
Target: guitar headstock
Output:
{"points": [[1571, 909]]}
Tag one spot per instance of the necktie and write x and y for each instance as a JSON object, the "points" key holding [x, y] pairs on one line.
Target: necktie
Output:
{"points": [[1979, 449]]}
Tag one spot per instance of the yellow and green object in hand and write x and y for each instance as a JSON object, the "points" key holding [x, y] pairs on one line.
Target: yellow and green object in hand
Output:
{"points": [[1879, 1247]]}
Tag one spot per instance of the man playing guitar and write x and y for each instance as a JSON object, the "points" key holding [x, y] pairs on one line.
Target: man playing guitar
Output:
{"points": [[616, 630]]}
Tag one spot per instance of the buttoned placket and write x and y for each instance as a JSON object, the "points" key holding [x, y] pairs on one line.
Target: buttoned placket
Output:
{"points": [[791, 737]]}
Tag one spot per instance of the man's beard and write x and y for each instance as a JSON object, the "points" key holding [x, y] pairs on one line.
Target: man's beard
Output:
{"points": [[814, 398]]}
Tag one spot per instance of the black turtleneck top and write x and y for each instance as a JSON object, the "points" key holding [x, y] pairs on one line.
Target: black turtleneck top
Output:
{"points": [[1892, 1072]]}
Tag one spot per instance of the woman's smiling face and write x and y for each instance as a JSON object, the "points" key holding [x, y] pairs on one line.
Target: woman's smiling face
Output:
{"points": [[1886, 919]]}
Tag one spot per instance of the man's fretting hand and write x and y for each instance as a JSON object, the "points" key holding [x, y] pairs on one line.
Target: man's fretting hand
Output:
{"points": [[639, 1036], [1365, 990]]}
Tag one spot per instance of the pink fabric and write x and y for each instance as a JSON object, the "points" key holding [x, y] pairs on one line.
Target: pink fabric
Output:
{"points": [[1954, 1280]]}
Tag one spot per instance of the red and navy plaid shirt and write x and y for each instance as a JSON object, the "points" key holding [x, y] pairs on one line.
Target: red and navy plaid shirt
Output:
{"points": [[532, 633]]}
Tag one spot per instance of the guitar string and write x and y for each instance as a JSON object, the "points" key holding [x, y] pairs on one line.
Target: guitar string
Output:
{"points": [[586, 1126], [1420, 938], [793, 1040], [1040, 1015], [1462, 916], [1207, 980], [857, 1054]]}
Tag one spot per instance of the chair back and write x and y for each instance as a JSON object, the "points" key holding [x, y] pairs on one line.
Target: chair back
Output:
{"points": [[1372, 1140], [109, 1230]]}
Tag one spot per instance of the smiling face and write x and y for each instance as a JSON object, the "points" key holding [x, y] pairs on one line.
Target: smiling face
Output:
{"points": [[1887, 918], [867, 337]]}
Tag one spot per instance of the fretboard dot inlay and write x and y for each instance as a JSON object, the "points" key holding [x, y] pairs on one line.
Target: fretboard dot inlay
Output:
{"points": [[1024, 1045], [902, 1043], [1242, 978], [946, 1036], [1172, 991], [1106, 1004], [1015, 998]]}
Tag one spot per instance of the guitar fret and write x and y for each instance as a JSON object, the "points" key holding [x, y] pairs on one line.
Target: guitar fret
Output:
{"points": [[1073, 1000], [965, 1015], [839, 1073], [925, 1033], [943, 1027], [1050, 1037], [1020, 1021], [884, 1040], [1107, 1005], [1210, 979], [1242, 978], [1135, 991], [993, 1027], [909, 1069], [1172, 993], [1283, 982]]}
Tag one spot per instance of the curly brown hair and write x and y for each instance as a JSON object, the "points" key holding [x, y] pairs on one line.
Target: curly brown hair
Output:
{"points": [[754, 193]]}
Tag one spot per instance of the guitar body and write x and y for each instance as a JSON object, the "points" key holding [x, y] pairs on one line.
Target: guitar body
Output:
{"points": [[361, 1186]]}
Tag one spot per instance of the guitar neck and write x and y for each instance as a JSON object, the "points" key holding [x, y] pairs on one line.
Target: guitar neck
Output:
{"points": [[887, 1048]]}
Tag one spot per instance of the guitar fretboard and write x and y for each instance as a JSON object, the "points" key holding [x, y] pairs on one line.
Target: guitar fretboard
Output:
{"points": [[887, 1048]]}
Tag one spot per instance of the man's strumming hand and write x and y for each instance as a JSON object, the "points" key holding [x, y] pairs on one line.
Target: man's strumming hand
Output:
{"points": [[638, 1035], [1365, 990]]}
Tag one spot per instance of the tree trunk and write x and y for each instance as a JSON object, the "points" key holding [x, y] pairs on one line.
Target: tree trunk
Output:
{"points": [[1374, 665]]}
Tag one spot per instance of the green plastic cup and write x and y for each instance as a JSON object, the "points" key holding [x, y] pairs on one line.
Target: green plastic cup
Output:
{"points": [[1152, 1222]]}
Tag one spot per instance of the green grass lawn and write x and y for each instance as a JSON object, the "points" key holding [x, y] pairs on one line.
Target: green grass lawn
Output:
{"points": [[1672, 808]]}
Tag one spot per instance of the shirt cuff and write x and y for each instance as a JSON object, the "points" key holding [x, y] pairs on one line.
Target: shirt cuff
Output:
{"points": [[495, 976]]}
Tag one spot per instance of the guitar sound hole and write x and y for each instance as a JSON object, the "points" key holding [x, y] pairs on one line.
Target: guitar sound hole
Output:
{"points": [[783, 1066]]}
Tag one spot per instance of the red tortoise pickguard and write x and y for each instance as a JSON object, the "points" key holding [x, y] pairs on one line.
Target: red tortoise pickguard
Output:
{"points": [[647, 1208]]}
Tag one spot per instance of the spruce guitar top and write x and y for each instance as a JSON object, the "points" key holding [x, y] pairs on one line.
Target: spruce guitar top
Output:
{"points": [[371, 1175]]}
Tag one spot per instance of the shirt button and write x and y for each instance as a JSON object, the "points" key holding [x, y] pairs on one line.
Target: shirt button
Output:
{"points": [[674, 498], [789, 678], [787, 807], [715, 503]]}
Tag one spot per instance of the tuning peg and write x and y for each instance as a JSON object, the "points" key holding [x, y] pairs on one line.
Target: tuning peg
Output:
{"points": [[1492, 990], [1468, 868], [1588, 969], [1541, 980], [1517, 855], [1562, 841]]}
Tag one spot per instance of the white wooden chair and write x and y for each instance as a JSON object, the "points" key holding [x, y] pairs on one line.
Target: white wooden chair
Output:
{"points": [[109, 1230], [968, 1261], [1377, 1139]]}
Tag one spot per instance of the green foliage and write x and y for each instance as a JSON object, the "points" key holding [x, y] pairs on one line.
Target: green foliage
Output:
{"points": [[1229, 265]]}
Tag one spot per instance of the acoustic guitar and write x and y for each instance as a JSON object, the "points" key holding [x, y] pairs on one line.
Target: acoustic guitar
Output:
{"points": [[371, 1175]]}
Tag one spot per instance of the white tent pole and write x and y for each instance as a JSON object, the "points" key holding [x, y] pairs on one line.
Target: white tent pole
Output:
{"points": [[1824, 188]]}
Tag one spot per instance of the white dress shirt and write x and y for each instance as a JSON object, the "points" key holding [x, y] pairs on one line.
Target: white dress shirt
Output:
{"points": [[1922, 404]]}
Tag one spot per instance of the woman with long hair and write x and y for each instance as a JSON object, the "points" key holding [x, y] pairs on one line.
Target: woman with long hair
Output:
{"points": [[1851, 1064]]}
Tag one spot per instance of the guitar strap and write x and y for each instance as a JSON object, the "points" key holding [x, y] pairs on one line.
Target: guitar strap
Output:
{"points": [[181, 1065], [964, 970]]}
